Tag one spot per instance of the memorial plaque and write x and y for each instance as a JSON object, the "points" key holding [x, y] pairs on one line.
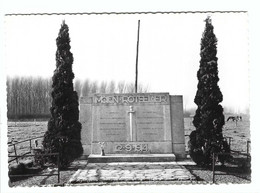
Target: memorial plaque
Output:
{"points": [[111, 124], [132, 123], [150, 123]]}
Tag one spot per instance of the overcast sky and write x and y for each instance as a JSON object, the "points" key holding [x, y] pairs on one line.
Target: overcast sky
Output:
{"points": [[104, 48]]}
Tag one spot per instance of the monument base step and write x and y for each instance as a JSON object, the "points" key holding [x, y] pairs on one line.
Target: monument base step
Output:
{"points": [[131, 158]]}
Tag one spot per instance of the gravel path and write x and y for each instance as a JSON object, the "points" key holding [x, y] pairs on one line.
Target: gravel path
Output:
{"points": [[229, 174], [202, 176]]}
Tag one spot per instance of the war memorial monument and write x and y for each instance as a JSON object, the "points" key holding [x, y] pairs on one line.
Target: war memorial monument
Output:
{"points": [[140, 124]]}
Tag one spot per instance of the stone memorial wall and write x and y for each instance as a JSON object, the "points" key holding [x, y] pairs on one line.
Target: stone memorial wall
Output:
{"points": [[132, 123]]}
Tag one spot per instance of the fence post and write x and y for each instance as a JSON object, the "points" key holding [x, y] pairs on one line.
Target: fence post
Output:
{"points": [[58, 167], [15, 154], [229, 141], [213, 168], [247, 150], [30, 145]]}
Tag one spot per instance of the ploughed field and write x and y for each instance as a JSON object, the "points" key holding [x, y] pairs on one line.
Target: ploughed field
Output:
{"points": [[20, 131]]}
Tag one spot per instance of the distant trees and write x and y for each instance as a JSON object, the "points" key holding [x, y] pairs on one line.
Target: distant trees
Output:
{"points": [[112, 87], [30, 97], [209, 118], [77, 86], [103, 87], [85, 88]]}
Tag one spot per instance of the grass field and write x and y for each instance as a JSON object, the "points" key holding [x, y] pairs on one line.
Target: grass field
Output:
{"points": [[240, 132], [25, 130], [19, 131]]}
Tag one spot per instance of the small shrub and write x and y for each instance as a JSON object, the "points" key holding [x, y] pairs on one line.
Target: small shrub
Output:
{"points": [[23, 168], [17, 169]]}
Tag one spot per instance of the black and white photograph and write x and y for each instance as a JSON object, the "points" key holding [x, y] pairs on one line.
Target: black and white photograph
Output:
{"points": [[120, 99]]}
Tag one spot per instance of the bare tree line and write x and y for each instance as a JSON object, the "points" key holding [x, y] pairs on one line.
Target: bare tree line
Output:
{"points": [[87, 87], [30, 97]]}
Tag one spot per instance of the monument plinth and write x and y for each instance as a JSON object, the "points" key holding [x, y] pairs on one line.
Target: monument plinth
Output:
{"points": [[135, 123]]}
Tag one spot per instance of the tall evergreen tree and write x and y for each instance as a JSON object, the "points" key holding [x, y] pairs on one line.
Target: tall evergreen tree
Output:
{"points": [[209, 118], [63, 134]]}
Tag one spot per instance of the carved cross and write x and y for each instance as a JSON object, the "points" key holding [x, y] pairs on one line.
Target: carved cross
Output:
{"points": [[131, 112]]}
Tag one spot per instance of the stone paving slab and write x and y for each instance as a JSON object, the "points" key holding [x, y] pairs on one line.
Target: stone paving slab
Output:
{"points": [[131, 171], [109, 158]]}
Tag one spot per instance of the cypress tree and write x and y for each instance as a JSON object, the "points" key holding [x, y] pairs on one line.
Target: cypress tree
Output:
{"points": [[209, 118], [63, 134]]}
